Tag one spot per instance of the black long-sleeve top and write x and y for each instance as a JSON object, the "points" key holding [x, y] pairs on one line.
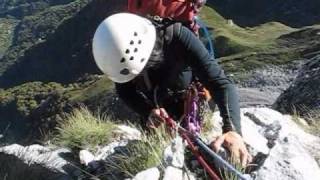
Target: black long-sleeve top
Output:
{"points": [[184, 55]]}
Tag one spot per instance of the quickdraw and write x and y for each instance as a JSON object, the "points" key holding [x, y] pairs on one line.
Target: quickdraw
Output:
{"points": [[194, 107]]}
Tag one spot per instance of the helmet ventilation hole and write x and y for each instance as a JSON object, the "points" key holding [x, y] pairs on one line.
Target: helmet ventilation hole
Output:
{"points": [[135, 50], [125, 71], [131, 58], [123, 60], [139, 42], [131, 42], [142, 60], [127, 51], [135, 34]]}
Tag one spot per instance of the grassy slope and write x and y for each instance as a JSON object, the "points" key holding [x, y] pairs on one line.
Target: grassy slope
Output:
{"points": [[98, 88], [241, 49], [260, 37]]}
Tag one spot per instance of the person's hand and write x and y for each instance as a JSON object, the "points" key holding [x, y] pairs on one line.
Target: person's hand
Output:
{"points": [[156, 117], [235, 144]]}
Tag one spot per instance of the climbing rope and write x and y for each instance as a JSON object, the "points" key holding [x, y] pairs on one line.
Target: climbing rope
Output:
{"points": [[191, 128]]}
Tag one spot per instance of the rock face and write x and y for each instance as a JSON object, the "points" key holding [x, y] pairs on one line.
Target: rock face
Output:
{"points": [[174, 154], [36, 162], [281, 149], [152, 173], [279, 146], [304, 94], [261, 87]]}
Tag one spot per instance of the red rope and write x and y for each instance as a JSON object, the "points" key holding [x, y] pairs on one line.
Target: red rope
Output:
{"points": [[201, 160]]}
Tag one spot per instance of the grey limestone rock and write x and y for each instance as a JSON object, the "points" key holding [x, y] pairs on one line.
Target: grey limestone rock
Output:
{"points": [[303, 95]]}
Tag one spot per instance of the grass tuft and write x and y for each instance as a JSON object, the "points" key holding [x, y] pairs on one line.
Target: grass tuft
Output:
{"points": [[311, 118], [314, 119], [83, 130], [143, 154], [227, 175]]}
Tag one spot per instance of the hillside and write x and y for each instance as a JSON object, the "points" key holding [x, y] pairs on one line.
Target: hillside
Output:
{"points": [[7, 26], [55, 42], [21, 8], [246, 48], [13, 11], [48, 61], [293, 13], [49, 85], [63, 50]]}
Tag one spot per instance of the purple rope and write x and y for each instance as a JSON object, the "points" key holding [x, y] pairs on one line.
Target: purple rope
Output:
{"points": [[193, 121]]}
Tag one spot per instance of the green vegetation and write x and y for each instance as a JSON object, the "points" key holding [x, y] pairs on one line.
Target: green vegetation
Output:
{"points": [[26, 97], [227, 175], [41, 105], [83, 130], [6, 33], [242, 49], [21, 8], [33, 32], [92, 91], [143, 154], [229, 35]]}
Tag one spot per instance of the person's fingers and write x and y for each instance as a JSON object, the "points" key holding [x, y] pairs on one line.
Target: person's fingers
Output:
{"points": [[163, 113], [235, 153], [216, 145], [249, 159], [243, 157]]}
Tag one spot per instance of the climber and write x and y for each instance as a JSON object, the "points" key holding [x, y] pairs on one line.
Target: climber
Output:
{"points": [[143, 56], [184, 11]]}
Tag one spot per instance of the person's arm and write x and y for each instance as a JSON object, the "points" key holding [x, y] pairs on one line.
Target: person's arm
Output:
{"points": [[212, 76], [225, 95], [128, 93]]}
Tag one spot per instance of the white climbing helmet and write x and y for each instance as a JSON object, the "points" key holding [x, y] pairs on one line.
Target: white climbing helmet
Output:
{"points": [[122, 45]]}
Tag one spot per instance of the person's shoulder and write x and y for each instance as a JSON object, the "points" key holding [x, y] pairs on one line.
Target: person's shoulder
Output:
{"points": [[173, 31]]}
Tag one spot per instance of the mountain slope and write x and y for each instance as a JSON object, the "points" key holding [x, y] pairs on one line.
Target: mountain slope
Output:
{"points": [[294, 13], [7, 26], [55, 44], [21, 8]]}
